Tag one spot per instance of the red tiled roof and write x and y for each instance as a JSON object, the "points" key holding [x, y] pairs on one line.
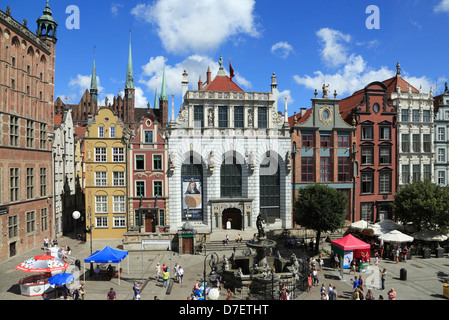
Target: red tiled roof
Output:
{"points": [[79, 131], [299, 119], [347, 104], [58, 119], [222, 83]]}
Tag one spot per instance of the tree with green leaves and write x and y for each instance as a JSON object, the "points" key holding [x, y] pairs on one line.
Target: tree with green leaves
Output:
{"points": [[321, 208], [423, 204]]}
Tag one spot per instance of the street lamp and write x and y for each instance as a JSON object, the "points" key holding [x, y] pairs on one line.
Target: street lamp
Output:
{"points": [[75, 215], [213, 273]]}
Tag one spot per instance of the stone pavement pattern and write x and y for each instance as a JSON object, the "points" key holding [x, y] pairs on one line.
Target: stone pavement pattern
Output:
{"points": [[425, 277]]}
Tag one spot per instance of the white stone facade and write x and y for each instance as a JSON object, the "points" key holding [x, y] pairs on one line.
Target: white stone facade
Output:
{"points": [[212, 145], [64, 172], [415, 119]]}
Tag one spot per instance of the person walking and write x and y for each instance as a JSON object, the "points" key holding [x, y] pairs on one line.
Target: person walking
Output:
{"points": [[158, 271], [175, 271], [81, 290], [383, 277], [136, 289], [165, 278], [111, 295], [316, 280], [180, 274], [333, 293], [392, 294], [309, 283]]}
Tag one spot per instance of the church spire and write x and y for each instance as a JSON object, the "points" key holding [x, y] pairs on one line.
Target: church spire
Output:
{"points": [[93, 83], [129, 71], [156, 100], [163, 96]]}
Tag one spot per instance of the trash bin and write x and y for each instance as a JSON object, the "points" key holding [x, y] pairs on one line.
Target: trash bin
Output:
{"points": [[426, 253], [439, 252], [403, 274]]}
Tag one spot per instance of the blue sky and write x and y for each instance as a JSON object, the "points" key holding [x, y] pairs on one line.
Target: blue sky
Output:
{"points": [[305, 43]]}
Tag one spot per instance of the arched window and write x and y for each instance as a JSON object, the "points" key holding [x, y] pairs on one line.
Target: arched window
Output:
{"points": [[231, 178], [192, 188], [270, 188]]}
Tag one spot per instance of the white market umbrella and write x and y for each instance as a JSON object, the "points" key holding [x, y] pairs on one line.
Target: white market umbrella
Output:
{"points": [[395, 236], [389, 225], [359, 225], [429, 235]]}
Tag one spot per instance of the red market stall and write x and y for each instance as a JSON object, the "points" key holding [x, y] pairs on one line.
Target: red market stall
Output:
{"points": [[36, 285], [349, 248]]}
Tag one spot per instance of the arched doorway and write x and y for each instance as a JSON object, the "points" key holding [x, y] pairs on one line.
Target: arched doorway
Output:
{"points": [[231, 219]]}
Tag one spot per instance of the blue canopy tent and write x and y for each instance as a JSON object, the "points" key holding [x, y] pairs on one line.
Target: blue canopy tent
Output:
{"points": [[108, 255]]}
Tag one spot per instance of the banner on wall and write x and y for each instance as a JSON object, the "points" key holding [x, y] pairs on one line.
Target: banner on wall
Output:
{"points": [[192, 198]]}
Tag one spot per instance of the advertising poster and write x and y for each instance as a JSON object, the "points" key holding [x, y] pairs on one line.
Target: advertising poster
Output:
{"points": [[192, 198]]}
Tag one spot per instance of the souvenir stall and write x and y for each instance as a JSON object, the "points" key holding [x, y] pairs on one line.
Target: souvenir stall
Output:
{"points": [[36, 285], [349, 248]]}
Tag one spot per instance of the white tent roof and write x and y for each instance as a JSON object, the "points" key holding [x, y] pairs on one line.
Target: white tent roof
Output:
{"points": [[395, 236]]}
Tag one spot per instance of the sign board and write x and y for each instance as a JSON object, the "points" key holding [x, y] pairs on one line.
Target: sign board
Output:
{"points": [[157, 244]]}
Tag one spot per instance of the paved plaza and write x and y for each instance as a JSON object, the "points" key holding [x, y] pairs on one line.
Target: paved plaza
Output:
{"points": [[425, 277]]}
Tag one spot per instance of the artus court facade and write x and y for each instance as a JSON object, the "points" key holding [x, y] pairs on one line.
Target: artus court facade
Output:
{"points": [[229, 157]]}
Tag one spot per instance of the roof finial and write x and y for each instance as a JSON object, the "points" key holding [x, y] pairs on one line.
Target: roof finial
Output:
{"points": [[398, 70]]}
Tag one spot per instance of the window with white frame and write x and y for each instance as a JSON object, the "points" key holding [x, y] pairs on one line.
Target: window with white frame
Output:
{"points": [[441, 157], [441, 178], [101, 222], [100, 154], [100, 132], [112, 132], [101, 178], [118, 204], [118, 154], [148, 136], [441, 133], [119, 221], [101, 204], [118, 178]]}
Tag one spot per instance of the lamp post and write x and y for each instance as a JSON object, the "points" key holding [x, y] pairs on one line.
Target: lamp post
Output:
{"points": [[75, 215], [213, 265]]}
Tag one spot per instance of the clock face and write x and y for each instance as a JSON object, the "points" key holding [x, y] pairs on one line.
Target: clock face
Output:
{"points": [[326, 115]]}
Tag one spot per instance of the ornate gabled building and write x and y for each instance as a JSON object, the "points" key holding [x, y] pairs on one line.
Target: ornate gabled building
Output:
{"points": [[64, 173], [27, 64], [415, 130], [229, 157], [441, 107], [375, 118], [322, 148], [106, 175]]}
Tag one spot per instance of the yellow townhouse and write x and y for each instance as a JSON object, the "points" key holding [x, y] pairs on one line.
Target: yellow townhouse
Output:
{"points": [[106, 193]]}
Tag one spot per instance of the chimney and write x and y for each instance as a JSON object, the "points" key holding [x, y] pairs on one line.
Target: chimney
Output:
{"points": [[200, 84], [208, 80]]}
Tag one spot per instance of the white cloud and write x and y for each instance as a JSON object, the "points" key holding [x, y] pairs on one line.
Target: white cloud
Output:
{"points": [[354, 72], [195, 65], [186, 26], [115, 8], [333, 51], [81, 83], [443, 6], [282, 49]]}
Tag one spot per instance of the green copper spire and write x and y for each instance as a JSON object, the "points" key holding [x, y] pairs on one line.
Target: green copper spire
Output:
{"points": [[93, 83], [93, 79], [156, 100], [164, 96], [129, 72]]}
